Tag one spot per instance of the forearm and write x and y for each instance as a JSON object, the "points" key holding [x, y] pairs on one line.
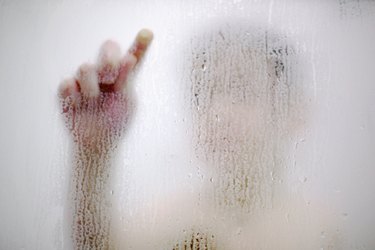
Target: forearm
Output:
{"points": [[90, 196]]}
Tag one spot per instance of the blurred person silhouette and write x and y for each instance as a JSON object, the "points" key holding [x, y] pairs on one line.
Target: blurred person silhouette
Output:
{"points": [[247, 101]]}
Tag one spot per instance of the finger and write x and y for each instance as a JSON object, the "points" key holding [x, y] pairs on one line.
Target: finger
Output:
{"points": [[68, 87], [87, 78], [135, 53], [142, 41], [109, 62], [126, 67]]}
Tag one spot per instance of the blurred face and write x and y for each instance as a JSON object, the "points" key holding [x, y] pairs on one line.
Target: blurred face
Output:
{"points": [[234, 113], [232, 130], [240, 109]]}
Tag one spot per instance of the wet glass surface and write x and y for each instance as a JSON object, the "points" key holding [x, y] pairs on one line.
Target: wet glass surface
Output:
{"points": [[252, 126]]}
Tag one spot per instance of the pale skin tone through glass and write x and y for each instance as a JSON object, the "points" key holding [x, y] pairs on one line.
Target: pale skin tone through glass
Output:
{"points": [[97, 107]]}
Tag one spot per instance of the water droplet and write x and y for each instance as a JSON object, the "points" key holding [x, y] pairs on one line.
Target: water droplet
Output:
{"points": [[272, 176], [303, 179], [323, 234], [204, 67]]}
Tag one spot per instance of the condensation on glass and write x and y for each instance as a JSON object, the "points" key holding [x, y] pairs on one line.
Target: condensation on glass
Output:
{"points": [[252, 127]]}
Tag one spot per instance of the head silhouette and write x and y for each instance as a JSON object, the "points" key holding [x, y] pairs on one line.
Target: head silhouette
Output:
{"points": [[246, 100]]}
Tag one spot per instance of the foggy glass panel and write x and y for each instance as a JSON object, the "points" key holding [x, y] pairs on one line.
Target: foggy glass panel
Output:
{"points": [[252, 125]]}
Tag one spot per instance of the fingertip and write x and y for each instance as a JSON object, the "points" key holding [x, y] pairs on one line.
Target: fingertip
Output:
{"points": [[144, 37], [141, 43], [88, 80], [109, 62], [110, 54], [67, 88]]}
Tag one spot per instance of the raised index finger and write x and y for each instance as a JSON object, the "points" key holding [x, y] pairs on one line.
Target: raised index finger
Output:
{"points": [[143, 39], [134, 55]]}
